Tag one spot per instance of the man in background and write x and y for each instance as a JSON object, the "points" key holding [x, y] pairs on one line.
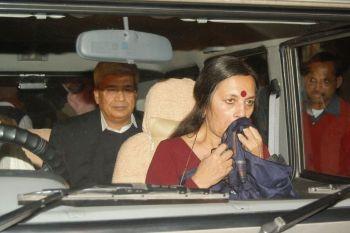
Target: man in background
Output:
{"points": [[326, 117]]}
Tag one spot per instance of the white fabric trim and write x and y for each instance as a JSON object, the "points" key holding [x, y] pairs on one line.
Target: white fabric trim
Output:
{"points": [[8, 162], [274, 117], [25, 122], [6, 104]]}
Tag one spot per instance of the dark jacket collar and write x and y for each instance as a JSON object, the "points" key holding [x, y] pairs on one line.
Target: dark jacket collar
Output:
{"points": [[334, 106]]}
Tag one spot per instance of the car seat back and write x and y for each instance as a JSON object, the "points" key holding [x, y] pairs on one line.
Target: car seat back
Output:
{"points": [[167, 104]]}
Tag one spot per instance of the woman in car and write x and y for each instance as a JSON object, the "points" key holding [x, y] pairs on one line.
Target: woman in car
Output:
{"points": [[225, 91]]}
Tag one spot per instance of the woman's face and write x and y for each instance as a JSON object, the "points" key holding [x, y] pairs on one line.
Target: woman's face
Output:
{"points": [[232, 98]]}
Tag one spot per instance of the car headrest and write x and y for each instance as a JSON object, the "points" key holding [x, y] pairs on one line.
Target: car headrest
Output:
{"points": [[167, 104]]}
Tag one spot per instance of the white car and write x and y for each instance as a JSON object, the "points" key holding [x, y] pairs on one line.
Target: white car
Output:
{"points": [[39, 53]]}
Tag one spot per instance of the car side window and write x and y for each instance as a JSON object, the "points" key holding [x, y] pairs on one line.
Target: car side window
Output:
{"points": [[325, 108]]}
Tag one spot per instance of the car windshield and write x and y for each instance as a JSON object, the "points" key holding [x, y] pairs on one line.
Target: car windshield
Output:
{"points": [[45, 84]]}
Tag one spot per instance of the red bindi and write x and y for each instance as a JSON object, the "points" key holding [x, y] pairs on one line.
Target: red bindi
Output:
{"points": [[243, 93]]}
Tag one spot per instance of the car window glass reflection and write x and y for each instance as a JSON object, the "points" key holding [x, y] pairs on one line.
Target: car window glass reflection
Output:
{"points": [[325, 111]]}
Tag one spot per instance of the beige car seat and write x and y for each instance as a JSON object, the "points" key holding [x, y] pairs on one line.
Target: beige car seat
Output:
{"points": [[167, 103]]}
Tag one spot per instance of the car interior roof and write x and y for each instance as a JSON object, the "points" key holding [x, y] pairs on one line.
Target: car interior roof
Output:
{"points": [[58, 35]]}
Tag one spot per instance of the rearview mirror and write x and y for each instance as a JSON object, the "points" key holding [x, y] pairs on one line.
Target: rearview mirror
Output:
{"points": [[123, 45]]}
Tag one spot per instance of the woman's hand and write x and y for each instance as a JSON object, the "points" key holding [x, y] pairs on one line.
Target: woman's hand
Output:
{"points": [[252, 141], [214, 168]]}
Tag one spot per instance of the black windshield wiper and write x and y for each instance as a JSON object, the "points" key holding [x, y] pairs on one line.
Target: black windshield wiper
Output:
{"points": [[17, 215], [282, 223]]}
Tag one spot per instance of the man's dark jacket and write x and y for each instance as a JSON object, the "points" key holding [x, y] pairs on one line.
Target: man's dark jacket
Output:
{"points": [[88, 153]]}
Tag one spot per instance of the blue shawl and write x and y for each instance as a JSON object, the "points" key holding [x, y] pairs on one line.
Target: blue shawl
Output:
{"points": [[252, 177]]}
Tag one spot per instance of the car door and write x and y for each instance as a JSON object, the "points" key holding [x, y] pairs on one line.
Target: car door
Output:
{"points": [[235, 216]]}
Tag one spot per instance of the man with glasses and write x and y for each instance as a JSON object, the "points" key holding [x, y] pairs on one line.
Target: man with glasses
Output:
{"points": [[89, 143]]}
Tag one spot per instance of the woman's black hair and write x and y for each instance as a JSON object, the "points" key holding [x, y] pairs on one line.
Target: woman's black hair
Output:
{"points": [[214, 71]]}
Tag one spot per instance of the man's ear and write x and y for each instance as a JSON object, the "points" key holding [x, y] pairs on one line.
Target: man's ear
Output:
{"points": [[339, 81], [96, 96]]}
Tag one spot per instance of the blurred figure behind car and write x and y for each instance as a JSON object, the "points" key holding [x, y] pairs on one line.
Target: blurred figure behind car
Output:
{"points": [[80, 98]]}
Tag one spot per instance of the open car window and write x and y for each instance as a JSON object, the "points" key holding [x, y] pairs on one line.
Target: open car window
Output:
{"points": [[320, 73], [324, 102], [39, 50]]}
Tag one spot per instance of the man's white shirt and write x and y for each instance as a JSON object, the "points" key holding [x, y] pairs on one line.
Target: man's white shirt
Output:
{"points": [[122, 129]]}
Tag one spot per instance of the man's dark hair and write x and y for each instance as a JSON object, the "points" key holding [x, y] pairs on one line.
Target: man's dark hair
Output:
{"points": [[103, 69], [324, 57]]}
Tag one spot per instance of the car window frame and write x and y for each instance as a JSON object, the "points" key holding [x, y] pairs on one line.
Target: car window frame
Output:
{"points": [[286, 61], [291, 82]]}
